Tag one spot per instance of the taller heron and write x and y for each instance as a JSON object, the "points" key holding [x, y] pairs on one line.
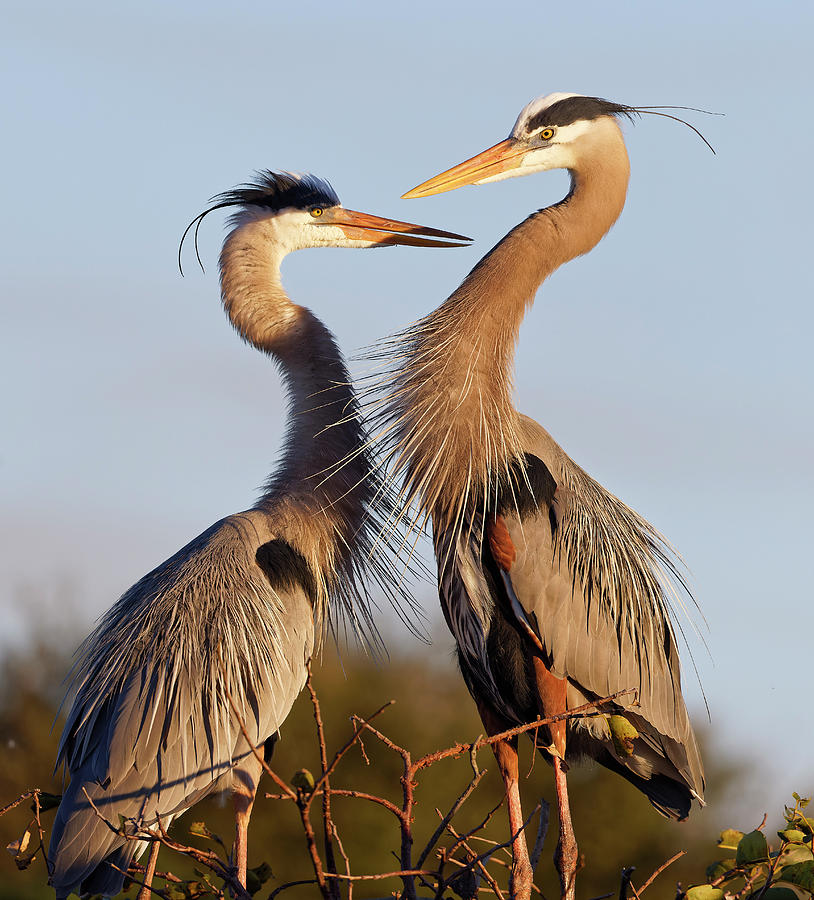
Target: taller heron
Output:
{"points": [[557, 593], [237, 612]]}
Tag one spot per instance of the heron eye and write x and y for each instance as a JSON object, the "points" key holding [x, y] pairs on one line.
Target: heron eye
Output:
{"points": [[317, 211], [547, 133]]}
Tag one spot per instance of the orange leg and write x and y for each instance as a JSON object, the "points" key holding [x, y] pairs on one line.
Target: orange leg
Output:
{"points": [[244, 788], [552, 693], [506, 756], [145, 893], [566, 855]]}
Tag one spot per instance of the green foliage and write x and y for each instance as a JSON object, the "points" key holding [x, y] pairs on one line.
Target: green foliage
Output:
{"points": [[751, 848], [303, 780], [760, 871], [704, 892]]}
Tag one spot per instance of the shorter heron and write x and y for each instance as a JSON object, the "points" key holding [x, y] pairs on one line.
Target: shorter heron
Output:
{"points": [[234, 616]]}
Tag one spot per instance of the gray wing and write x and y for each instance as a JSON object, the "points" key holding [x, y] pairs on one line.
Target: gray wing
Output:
{"points": [[152, 730], [593, 578]]}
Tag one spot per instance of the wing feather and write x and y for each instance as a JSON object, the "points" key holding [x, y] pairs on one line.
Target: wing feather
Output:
{"points": [[151, 728]]}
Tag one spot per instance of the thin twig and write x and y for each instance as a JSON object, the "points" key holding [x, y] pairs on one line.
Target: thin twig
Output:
{"points": [[41, 834], [445, 820], [481, 864], [458, 749], [327, 822], [473, 862], [400, 873], [347, 861], [542, 830], [290, 884], [21, 799], [660, 869], [142, 884]]}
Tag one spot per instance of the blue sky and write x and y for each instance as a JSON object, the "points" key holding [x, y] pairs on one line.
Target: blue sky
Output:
{"points": [[674, 362]]}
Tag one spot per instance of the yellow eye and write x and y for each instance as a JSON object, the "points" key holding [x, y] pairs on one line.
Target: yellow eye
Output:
{"points": [[547, 133], [316, 212]]}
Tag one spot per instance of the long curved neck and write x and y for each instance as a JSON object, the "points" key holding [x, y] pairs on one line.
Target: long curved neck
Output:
{"points": [[319, 514], [454, 427]]}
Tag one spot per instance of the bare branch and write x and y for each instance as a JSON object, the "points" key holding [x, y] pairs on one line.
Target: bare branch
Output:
{"points": [[660, 869], [445, 820], [327, 822], [480, 863], [21, 799]]}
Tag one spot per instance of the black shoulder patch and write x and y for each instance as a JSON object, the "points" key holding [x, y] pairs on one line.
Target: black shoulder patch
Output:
{"points": [[576, 109], [286, 568], [527, 494]]}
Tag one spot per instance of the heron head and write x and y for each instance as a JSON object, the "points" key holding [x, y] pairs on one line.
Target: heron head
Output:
{"points": [[304, 211], [551, 132]]}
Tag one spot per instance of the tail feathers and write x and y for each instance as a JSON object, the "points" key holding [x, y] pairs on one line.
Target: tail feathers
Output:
{"points": [[83, 845], [673, 799], [107, 878], [650, 767]]}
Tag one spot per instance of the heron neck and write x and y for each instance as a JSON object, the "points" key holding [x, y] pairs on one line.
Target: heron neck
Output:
{"points": [[324, 427], [460, 361]]}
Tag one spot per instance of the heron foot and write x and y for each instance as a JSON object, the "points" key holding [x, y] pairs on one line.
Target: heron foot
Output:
{"points": [[566, 859], [520, 880]]}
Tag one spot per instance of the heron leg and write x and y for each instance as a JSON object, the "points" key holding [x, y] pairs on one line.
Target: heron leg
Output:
{"points": [[566, 855], [552, 694], [245, 779], [506, 755], [146, 890]]}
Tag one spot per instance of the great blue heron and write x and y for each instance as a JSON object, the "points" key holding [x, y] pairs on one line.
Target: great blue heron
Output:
{"points": [[236, 612], [556, 592]]}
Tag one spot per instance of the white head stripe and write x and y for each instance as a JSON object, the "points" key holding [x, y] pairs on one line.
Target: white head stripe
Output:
{"points": [[537, 105]]}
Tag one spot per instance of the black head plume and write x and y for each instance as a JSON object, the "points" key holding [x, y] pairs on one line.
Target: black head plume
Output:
{"points": [[269, 190], [578, 108]]}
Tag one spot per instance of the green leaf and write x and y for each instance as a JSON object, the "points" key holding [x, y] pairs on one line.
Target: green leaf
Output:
{"points": [[263, 872], [729, 839], [793, 835], [623, 734], [801, 874], [257, 877], [795, 853], [199, 829], [303, 780], [752, 848], [704, 892], [717, 869]]}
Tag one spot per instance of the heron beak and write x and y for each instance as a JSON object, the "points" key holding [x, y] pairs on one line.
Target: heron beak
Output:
{"points": [[506, 155], [365, 227]]}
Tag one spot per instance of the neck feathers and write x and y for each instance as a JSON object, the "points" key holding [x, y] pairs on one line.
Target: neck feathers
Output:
{"points": [[319, 497], [451, 430]]}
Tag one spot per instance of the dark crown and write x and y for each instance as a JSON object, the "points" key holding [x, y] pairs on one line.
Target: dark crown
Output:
{"points": [[280, 190], [575, 109]]}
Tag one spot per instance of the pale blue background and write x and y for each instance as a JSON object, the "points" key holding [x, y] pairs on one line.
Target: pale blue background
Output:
{"points": [[674, 362]]}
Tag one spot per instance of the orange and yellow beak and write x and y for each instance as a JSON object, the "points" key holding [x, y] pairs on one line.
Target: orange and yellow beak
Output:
{"points": [[506, 155], [365, 227]]}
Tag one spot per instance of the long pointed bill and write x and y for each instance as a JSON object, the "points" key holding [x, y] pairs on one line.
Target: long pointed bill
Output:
{"points": [[365, 227], [506, 155]]}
